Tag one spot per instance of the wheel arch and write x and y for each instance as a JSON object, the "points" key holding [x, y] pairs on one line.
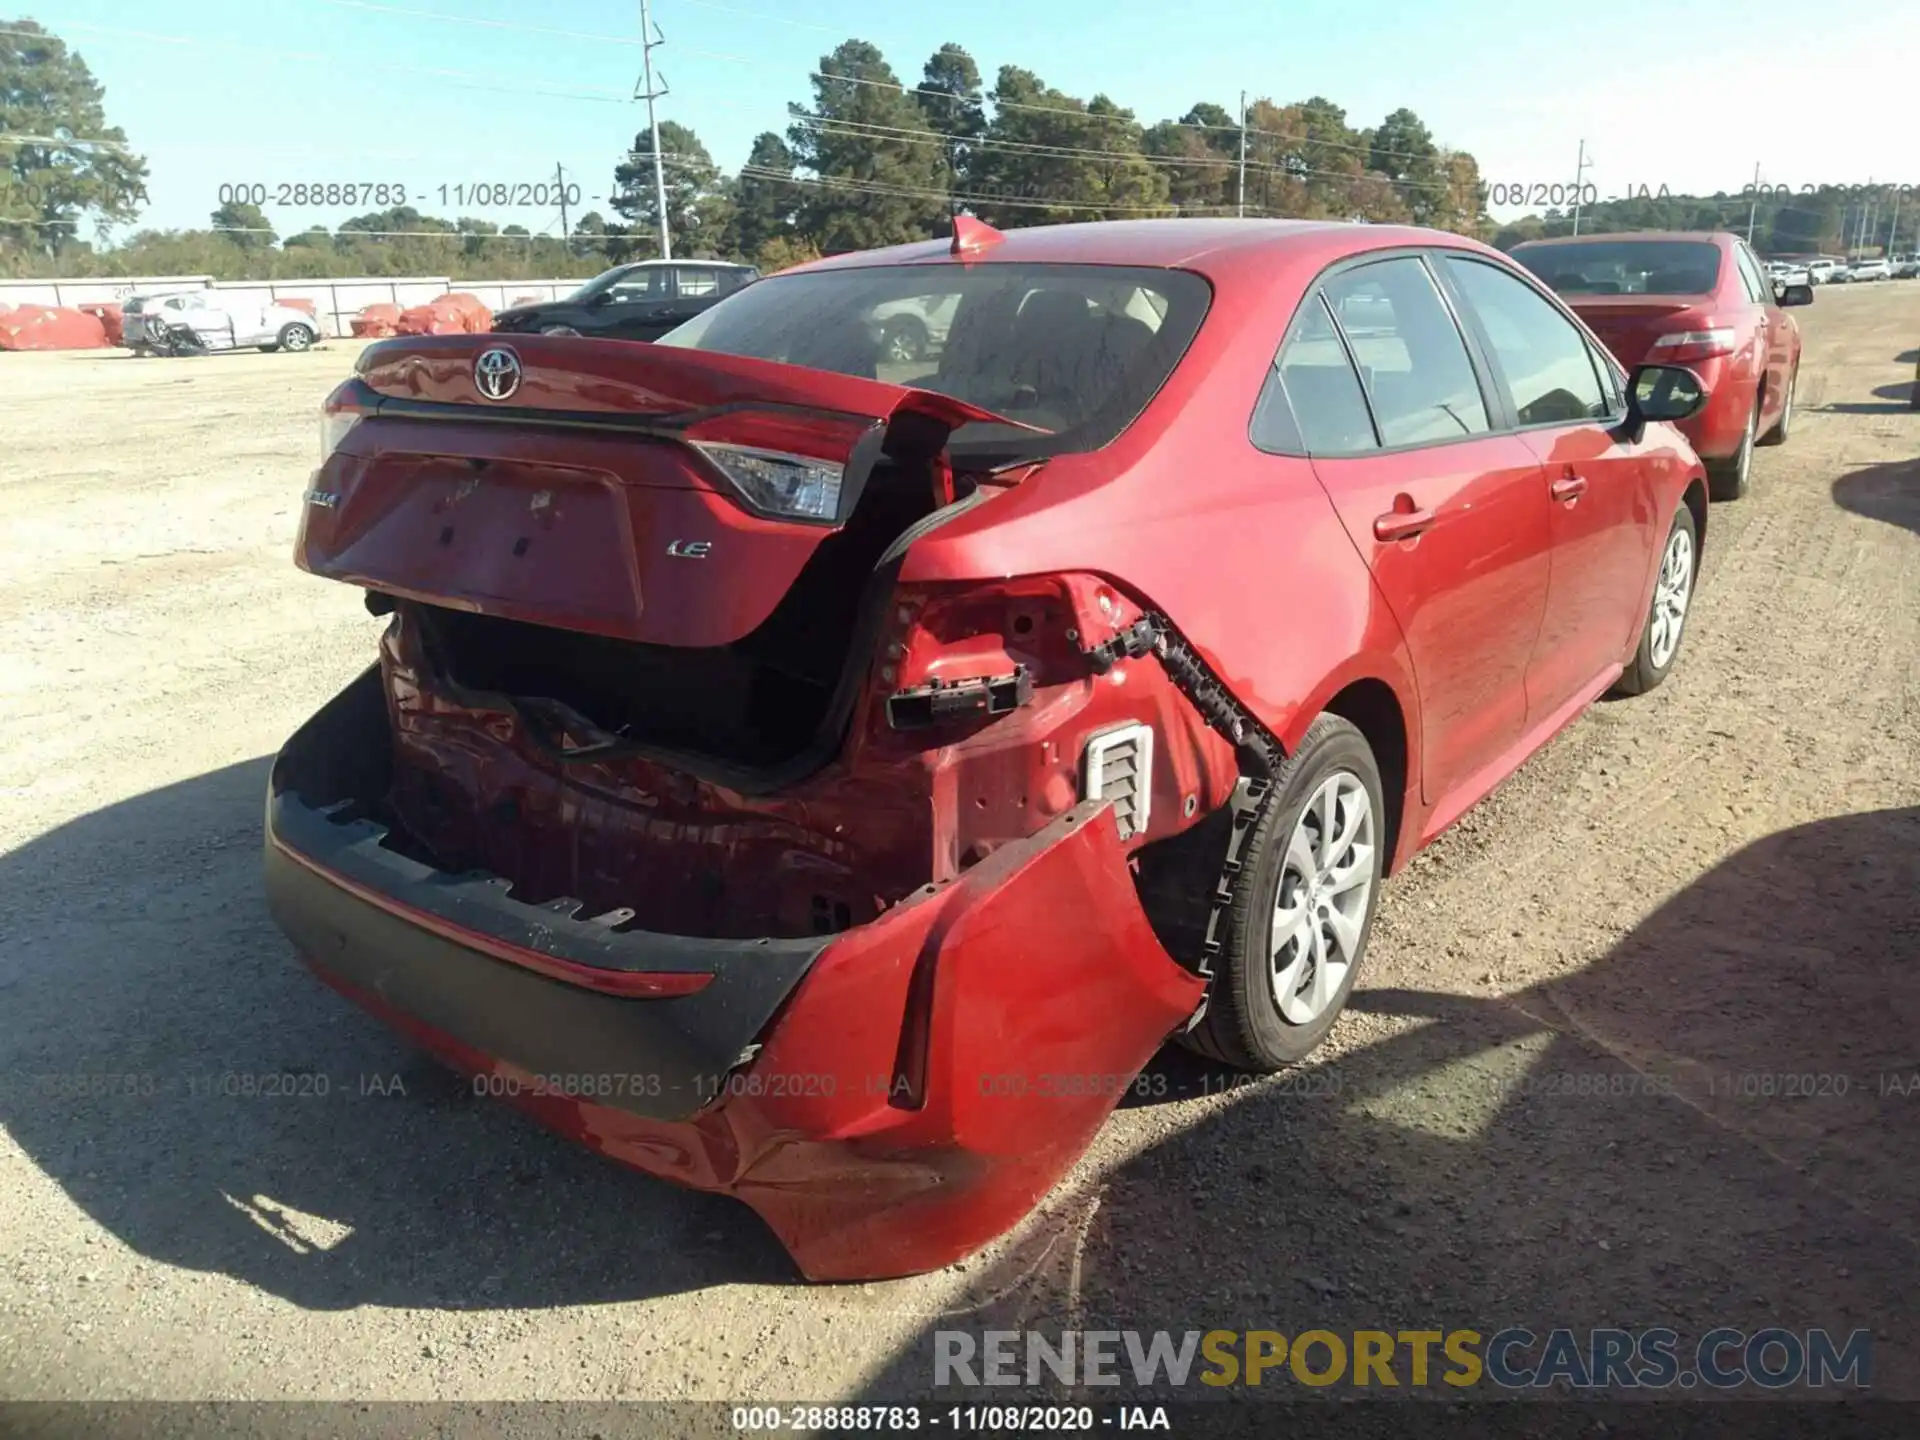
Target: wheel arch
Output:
{"points": [[1371, 706], [1696, 500]]}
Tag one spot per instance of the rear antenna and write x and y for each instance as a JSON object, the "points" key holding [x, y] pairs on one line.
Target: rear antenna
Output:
{"points": [[970, 235]]}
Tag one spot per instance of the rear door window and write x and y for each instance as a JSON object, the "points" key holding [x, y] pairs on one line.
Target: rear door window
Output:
{"points": [[1313, 399], [1412, 360], [698, 284]]}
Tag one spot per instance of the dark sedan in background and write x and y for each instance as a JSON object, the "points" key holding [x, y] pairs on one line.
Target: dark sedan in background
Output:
{"points": [[631, 302]]}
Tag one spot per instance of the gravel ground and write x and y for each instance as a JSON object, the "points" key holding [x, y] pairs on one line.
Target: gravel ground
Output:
{"points": [[1684, 896]]}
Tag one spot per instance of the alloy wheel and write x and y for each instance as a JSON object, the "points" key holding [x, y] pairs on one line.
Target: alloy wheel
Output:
{"points": [[1326, 888], [1671, 592], [297, 338]]}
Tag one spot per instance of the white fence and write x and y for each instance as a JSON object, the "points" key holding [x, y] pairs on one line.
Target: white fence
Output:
{"points": [[335, 302]]}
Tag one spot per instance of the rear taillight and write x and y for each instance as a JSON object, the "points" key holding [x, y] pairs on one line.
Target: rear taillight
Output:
{"points": [[1683, 345], [338, 415], [800, 487]]}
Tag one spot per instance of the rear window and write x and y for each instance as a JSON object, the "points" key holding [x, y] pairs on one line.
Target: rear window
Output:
{"points": [[1625, 267], [1069, 353]]}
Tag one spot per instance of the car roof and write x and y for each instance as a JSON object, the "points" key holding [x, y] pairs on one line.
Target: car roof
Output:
{"points": [[684, 260], [1213, 247]]}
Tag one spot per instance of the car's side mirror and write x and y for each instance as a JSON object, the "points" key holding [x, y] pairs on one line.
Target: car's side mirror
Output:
{"points": [[1795, 294], [1661, 392], [605, 297]]}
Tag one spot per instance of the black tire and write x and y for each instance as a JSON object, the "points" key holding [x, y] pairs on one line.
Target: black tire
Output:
{"points": [[903, 340], [295, 337], [1913, 400], [1243, 1026], [1644, 673], [1732, 478], [1783, 427], [558, 330]]}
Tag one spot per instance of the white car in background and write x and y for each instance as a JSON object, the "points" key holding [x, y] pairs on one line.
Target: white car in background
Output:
{"points": [[1821, 272], [1870, 270], [1782, 273], [216, 322]]}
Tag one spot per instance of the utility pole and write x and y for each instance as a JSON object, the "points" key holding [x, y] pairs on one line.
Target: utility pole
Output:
{"points": [[1240, 198], [1580, 168], [566, 230], [1753, 209], [650, 39], [1893, 235]]}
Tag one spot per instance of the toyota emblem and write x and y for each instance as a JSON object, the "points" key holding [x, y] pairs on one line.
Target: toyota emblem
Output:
{"points": [[496, 374]]}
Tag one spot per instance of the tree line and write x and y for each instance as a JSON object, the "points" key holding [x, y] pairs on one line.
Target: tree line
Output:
{"points": [[868, 160]]}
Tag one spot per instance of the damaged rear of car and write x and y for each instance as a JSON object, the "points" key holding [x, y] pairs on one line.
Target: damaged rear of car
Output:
{"points": [[673, 813]]}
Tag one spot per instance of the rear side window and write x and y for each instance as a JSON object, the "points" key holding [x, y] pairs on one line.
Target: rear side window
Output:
{"points": [[697, 283], [1412, 360], [1543, 358], [1318, 386]]}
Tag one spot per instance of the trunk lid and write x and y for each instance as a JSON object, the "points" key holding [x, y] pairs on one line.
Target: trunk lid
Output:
{"points": [[1629, 324], [602, 491]]}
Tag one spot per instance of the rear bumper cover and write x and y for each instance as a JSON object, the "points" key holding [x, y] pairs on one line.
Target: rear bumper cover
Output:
{"points": [[888, 1099]]}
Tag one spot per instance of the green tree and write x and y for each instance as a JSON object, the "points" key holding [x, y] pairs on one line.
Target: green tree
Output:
{"points": [[879, 171], [764, 198], [245, 226], [1402, 149], [1199, 154], [477, 233], [949, 98], [1048, 156], [60, 162], [697, 203]]}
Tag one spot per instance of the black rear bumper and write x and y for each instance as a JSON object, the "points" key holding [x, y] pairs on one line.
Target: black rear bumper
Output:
{"points": [[456, 953]]}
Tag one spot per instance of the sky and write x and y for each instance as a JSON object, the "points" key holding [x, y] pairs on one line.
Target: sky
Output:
{"points": [[425, 93]]}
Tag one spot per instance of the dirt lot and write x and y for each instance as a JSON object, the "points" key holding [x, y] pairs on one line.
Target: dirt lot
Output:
{"points": [[1688, 894]]}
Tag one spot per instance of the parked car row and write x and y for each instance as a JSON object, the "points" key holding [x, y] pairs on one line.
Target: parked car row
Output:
{"points": [[823, 767]]}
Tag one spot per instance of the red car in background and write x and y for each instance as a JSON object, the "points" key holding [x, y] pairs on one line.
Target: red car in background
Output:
{"points": [[1702, 300], [826, 775]]}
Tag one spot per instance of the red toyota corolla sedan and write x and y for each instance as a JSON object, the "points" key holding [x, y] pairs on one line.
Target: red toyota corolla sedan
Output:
{"points": [[828, 778], [1700, 300]]}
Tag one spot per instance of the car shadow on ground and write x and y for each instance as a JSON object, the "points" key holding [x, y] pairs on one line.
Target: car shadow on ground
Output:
{"points": [[1893, 400], [1888, 492], [145, 989], [1716, 1124], [1907, 357]]}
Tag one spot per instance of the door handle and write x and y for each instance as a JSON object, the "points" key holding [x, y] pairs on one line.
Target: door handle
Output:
{"points": [[1401, 524], [1570, 486]]}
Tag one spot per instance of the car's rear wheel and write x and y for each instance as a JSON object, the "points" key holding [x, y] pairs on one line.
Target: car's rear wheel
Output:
{"points": [[1784, 425], [296, 337], [1667, 616], [1732, 478], [558, 330], [1302, 916]]}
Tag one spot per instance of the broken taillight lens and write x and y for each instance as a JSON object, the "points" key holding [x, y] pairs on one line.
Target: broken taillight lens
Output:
{"points": [[777, 483], [335, 425]]}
